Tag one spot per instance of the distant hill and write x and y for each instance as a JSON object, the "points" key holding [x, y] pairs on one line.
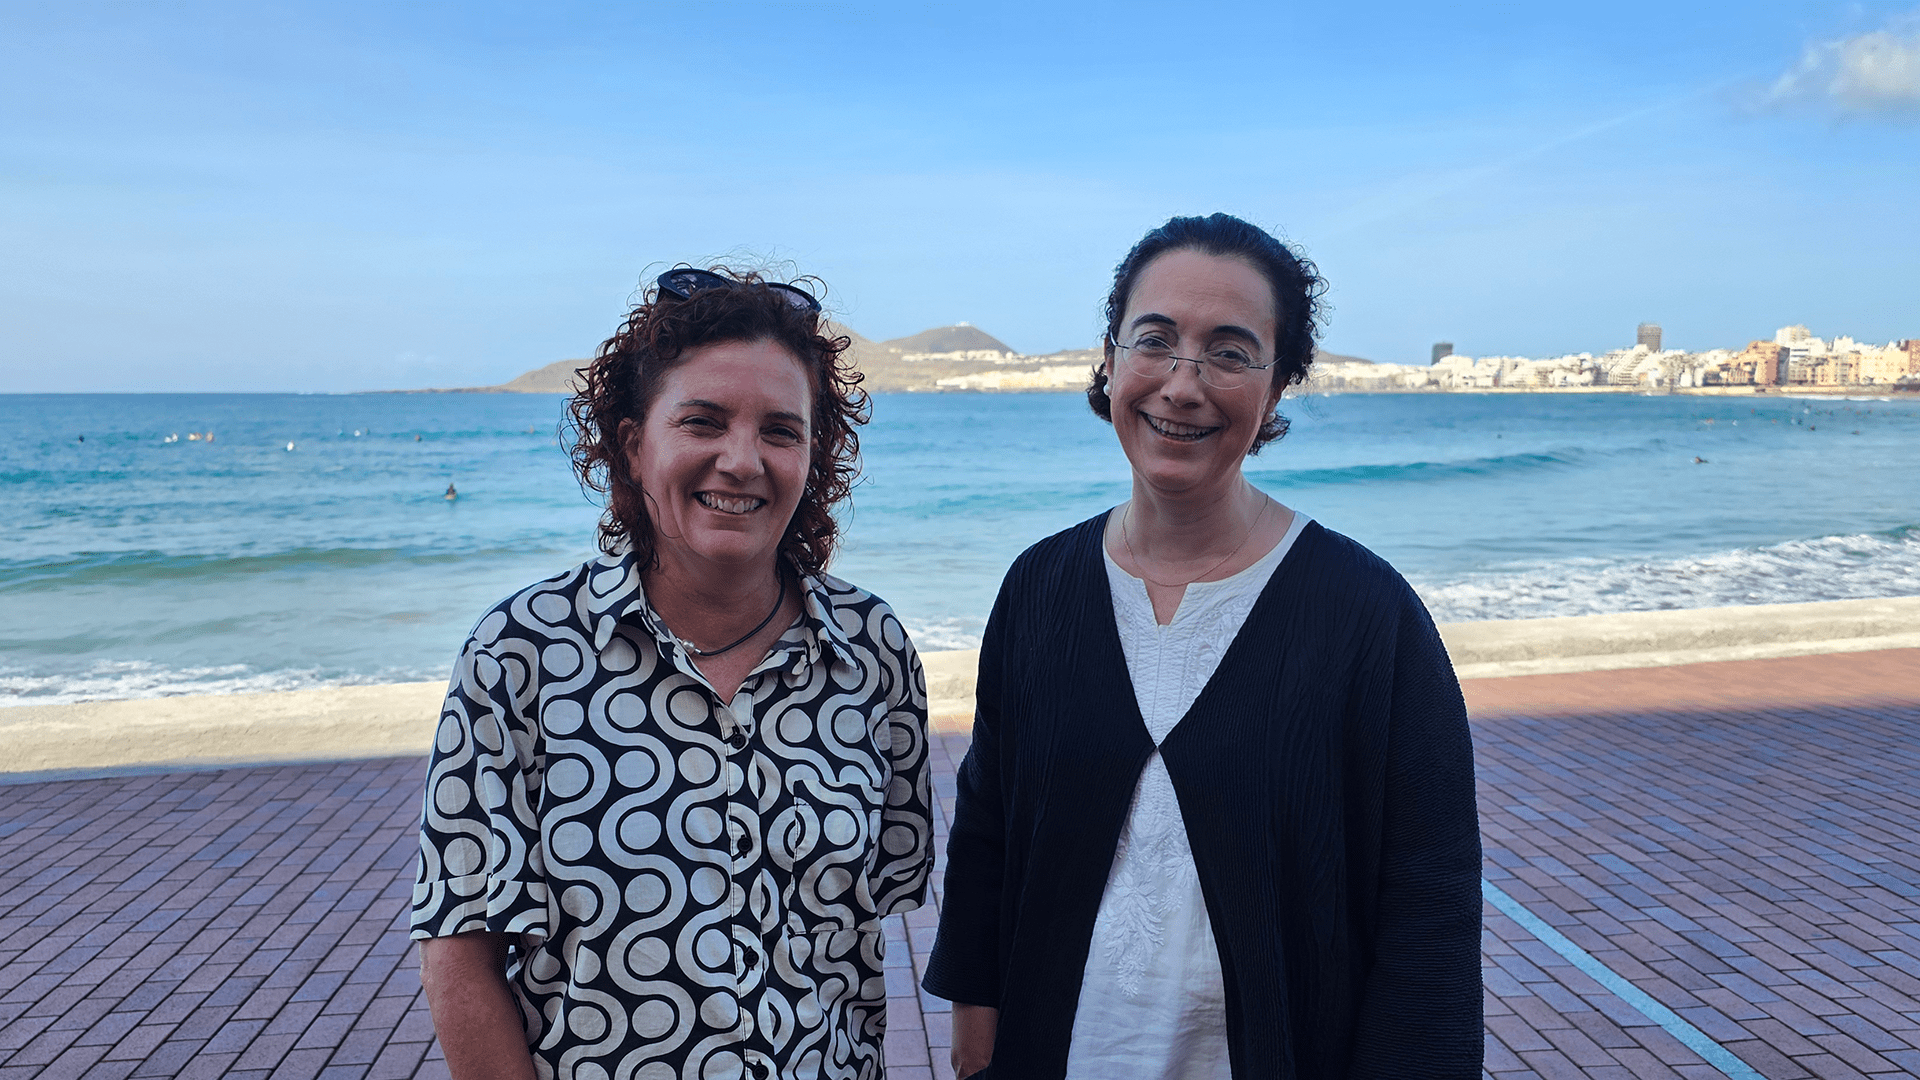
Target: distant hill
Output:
{"points": [[555, 378], [886, 369], [960, 337]]}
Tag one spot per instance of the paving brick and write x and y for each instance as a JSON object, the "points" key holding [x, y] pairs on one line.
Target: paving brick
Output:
{"points": [[1736, 839], [1729, 833]]}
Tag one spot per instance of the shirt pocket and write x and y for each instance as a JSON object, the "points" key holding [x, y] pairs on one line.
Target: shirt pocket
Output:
{"points": [[843, 970], [824, 840]]}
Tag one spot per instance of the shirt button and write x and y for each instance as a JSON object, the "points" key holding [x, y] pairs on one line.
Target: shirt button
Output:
{"points": [[737, 740]]}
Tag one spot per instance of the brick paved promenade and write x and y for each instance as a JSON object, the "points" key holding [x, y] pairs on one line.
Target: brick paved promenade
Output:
{"points": [[1737, 841]]}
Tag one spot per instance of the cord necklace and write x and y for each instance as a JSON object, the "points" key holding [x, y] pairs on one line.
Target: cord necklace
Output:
{"points": [[1126, 519], [778, 599]]}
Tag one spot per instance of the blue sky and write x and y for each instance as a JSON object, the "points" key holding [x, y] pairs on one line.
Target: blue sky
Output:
{"points": [[326, 197]]}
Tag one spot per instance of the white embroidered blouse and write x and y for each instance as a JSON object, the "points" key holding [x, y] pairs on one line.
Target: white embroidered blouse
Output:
{"points": [[1152, 1003]]}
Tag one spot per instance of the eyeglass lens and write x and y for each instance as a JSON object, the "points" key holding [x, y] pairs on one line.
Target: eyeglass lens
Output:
{"points": [[1155, 363]]}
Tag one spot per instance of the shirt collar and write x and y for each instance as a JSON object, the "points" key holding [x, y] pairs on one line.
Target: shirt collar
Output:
{"points": [[615, 595], [824, 636], [613, 591]]}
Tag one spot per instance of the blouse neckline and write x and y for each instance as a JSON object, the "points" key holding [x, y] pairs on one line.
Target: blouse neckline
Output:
{"points": [[1201, 595]]}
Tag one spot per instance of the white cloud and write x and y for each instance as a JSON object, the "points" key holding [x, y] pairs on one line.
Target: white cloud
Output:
{"points": [[1875, 72]]}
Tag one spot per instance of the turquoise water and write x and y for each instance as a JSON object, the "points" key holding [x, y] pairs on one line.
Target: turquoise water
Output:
{"points": [[131, 565]]}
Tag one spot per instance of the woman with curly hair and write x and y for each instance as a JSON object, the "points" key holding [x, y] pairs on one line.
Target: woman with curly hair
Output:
{"points": [[1217, 819], [674, 790]]}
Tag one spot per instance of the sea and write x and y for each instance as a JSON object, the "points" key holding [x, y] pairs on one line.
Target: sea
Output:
{"points": [[310, 542]]}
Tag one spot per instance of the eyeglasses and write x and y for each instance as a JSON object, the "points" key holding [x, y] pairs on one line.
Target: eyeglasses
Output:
{"points": [[686, 281], [1223, 367]]}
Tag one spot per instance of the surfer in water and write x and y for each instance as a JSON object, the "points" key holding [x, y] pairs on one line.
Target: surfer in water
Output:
{"points": [[451, 494]]}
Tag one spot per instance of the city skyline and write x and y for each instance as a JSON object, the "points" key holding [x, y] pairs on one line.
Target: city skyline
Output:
{"points": [[1793, 357], [346, 197]]}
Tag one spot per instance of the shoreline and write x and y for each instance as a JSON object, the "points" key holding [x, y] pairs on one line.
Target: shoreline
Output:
{"points": [[72, 741], [1865, 391], [1862, 391]]}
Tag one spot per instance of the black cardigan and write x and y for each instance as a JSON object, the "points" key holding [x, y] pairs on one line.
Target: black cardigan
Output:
{"points": [[1325, 774]]}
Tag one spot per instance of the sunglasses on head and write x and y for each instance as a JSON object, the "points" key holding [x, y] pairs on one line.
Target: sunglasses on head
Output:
{"points": [[684, 282]]}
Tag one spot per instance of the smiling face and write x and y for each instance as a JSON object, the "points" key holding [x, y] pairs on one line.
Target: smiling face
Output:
{"points": [[722, 455], [1181, 435]]}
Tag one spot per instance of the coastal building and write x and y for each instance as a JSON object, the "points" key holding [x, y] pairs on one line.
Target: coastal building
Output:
{"points": [[1708, 368], [1456, 372], [1839, 369], [965, 356], [1884, 365], [1050, 377], [1649, 335], [1327, 375], [1794, 358], [1801, 348], [1441, 350], [1630, 367], [1767, 361]]}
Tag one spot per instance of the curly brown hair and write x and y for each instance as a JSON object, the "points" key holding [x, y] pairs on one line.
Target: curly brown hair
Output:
{"points": [[1297, 292], [626, 374]]}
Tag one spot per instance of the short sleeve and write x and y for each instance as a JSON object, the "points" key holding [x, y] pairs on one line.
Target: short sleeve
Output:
{"points": [[481, 865], [906, 825]]}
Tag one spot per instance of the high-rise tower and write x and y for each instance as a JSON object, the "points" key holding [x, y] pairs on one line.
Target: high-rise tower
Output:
{"points": [[1649, 336]]}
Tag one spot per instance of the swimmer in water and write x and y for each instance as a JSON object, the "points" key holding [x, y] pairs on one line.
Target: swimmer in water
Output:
{"points": [[451, 494]]}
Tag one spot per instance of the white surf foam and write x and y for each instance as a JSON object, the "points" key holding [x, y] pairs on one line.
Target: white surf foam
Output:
{"points": [[1826, 568], [112, 680], [934, 635]]}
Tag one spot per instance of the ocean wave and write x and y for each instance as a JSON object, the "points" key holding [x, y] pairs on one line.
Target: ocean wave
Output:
{"points": [[113, 680], [1852, 567], [1855, 567], [141, 567], [1421, 471], [936, 635]]}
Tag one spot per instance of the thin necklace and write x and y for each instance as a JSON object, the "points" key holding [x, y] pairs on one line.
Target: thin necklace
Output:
{"points": [[1127, 519], [778, 600]]}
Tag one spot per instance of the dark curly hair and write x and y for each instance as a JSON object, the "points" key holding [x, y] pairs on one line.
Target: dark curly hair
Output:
{"points": [[1297, 289], [626, 375]]}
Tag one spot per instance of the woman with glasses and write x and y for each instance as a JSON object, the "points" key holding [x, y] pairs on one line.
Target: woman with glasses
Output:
{"points": [[675, 789], [1217, 819]]}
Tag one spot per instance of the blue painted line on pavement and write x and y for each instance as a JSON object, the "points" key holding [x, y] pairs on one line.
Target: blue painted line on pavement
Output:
{"points": [[1691, 1037]]}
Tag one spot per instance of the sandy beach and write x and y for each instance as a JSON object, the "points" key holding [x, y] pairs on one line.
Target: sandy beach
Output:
{"points": [[353, 722]]}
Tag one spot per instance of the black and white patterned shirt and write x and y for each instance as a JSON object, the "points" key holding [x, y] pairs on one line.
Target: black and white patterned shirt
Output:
{"points": [[695, 885]]}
